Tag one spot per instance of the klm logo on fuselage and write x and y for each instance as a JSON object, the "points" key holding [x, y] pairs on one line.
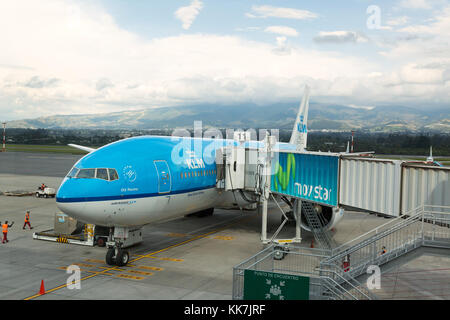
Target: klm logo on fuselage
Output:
{"points": [[301, 127], [195, 163]]}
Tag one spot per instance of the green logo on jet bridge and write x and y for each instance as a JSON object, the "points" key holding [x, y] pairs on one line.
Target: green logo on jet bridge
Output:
{"points": [[282, 177], [312, 177]]}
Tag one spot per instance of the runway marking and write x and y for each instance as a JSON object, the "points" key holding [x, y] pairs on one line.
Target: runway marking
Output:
{"points": [[150, 268], [223, 238], [171, 259], [157, 258], [149, 255], [178, 235], [141, 272], [126, 276]]}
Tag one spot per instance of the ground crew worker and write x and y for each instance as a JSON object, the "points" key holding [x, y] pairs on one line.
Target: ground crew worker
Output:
{"points": [[5, 227], [27, 220], [346, 263]]}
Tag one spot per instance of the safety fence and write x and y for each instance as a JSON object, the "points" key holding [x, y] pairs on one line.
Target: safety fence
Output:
{"points": [[423, 226], [332, 273]]}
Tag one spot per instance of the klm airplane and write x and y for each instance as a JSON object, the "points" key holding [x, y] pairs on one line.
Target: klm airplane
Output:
{"points": [[141, 180]]}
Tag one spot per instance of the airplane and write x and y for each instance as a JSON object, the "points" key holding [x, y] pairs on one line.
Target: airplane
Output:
{"points": [[140, 180]]}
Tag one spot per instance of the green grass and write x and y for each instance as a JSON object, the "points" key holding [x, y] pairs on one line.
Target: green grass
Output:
{"points": [[42, 149]]}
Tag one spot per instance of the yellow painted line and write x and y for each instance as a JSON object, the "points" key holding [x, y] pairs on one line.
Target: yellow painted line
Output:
{"points": [[150, 268], [179, 235], [112, 268], [141, 257], [223, 238], [140, 272], [84, 270], [144, 256], [171, 259], [126, 276], [63, 286]]}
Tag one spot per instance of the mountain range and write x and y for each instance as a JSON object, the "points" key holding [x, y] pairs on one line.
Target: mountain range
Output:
{"points": [[280, 116]]}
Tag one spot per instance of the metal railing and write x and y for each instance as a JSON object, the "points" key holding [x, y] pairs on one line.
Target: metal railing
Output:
{"points": [[329, 278], [423, 226]]}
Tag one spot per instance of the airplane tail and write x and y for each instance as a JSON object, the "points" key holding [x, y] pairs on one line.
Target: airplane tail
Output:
{"points": [[300, 131]]}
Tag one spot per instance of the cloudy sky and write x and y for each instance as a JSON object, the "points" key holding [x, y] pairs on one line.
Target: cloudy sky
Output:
{"points": [[76, 57]]}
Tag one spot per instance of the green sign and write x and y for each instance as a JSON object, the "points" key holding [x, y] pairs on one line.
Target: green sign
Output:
{"points": [[261, 285]]}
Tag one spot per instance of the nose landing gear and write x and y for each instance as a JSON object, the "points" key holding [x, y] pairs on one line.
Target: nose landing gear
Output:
{"points": [[117, 256]]}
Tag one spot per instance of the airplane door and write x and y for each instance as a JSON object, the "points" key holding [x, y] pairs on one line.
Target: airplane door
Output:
{"points": [[164, 178]]}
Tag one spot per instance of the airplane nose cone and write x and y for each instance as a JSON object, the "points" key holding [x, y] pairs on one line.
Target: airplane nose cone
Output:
{"points": [[66, 201]]}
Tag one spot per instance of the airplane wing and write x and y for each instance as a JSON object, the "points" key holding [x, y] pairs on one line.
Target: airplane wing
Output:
{"points": [[87, 149]]}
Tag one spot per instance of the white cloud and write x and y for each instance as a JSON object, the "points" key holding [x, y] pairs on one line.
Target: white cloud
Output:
{"points": [[282, 30], [398, 21], [340, 37], [439, 25], [188, 14], [415, 4], [278, 12], [94, 66]]}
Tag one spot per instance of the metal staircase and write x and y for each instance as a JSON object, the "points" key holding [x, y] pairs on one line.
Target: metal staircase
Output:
{"points": [[397, 237], [317, 222]]}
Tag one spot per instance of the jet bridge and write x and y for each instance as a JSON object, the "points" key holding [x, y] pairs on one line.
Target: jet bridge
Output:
{"points": [[312, 181]]}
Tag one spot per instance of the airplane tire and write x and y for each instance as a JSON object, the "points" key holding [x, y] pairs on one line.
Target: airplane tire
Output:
{"points": [[101, 242], [110, 259], [122, 258]]}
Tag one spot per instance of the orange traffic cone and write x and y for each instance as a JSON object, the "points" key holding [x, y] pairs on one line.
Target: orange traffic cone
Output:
{"points": [[42, 291], [312, 243]]}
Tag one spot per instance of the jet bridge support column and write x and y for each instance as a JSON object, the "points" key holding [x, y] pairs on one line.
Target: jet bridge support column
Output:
{"points": [[298, 220], [266, 159]]}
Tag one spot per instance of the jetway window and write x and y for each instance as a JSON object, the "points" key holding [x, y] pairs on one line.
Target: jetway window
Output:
{"points": [[102, 174], [86, 174]]}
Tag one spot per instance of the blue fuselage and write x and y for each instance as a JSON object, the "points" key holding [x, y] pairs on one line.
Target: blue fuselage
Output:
{"points": [[117, 183]]}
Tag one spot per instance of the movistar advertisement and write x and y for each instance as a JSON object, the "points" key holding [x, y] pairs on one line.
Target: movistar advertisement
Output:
{"points": [[306, 176]]}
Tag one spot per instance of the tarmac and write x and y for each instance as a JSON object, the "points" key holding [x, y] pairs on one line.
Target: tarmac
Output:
{"points": [[185, 258]]}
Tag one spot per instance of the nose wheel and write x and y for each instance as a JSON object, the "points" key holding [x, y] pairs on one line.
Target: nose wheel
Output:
{"points": [[116, 256]]}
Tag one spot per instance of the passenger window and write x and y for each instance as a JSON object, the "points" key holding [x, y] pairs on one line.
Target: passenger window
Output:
{"points": [[102, 174], [86, 174], [113, 174]]}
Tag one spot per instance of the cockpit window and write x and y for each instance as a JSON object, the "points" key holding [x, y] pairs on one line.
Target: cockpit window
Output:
{"points": [[86, 174], [72, 172], [102, 174], [113, 174]]}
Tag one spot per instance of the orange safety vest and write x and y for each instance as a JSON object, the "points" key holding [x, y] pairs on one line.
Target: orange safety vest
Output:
{"points": [[5, 228], [27, 217]]}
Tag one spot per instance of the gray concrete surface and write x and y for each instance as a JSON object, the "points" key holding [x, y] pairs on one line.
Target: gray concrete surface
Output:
{"points": [[37, 164]]}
